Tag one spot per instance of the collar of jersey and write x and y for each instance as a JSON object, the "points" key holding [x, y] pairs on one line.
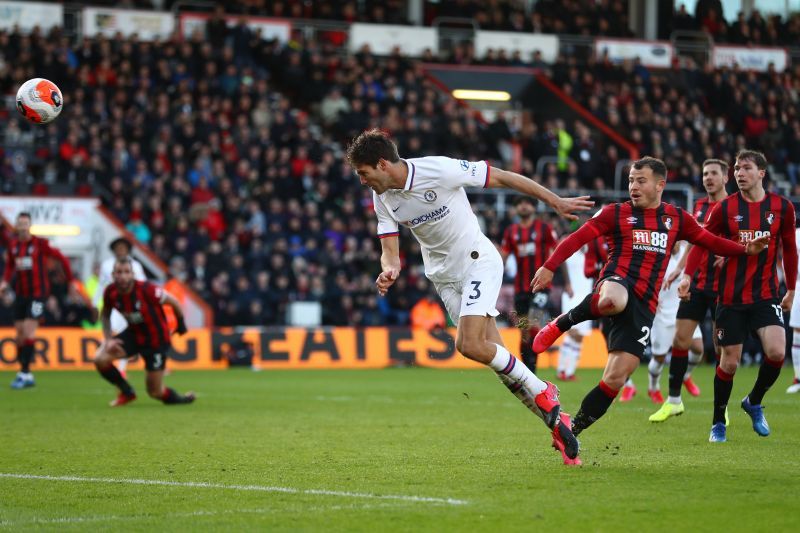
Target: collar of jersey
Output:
{"points": [[410, 176]]}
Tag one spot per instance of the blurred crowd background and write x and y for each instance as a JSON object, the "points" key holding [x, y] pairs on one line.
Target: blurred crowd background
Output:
{"points": [[225, 155]]}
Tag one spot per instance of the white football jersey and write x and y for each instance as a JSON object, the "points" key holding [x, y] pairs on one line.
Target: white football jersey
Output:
{"points": [[581, 285], [668, 300], [434, 206]]}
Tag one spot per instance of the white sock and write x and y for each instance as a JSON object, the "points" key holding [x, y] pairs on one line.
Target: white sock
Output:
{"points": [[508, 365], [654, 369], [567, 354], [629, 383], [674, 399], [576, 355], [694, 360], [122, 364], [796, 353]]}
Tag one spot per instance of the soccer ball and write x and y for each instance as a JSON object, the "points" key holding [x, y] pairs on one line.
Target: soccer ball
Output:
{"points": [[39, 100]]}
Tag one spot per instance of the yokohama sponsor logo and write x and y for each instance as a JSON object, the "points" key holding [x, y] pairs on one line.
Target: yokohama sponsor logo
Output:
{"points": [[433, 216]]}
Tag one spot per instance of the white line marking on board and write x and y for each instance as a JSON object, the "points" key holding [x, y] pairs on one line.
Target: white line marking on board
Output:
{"points": [[250, 488]]}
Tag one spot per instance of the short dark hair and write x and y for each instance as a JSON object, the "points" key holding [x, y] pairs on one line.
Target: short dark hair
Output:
{"points": [[753, 155], [656, 165], [370, 147], [722, 164], [124, 260], [24, 214], [524, 198]]}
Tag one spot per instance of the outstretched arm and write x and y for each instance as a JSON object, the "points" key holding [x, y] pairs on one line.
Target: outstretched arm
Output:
{"points": [[55, 253], [567, 247], [566, 207], [8, 271], [789, 256], [173, 302]]}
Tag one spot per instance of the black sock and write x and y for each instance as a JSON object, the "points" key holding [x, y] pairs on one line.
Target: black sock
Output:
{"points": [[767, 376], [25, 356], [172, 397], [586, 310], [594, 405], [528, 356], [677, 370], [723, 384], [112, 375]]}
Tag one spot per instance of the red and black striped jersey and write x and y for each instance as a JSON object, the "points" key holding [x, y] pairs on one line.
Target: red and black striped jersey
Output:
{"points": [[704, 278], [639, 244], [530, 245], [26, 259], [595, 257], [142, 308], [745, 280]]}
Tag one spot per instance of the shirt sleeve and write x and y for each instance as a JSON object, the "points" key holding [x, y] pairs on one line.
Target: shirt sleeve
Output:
{"points": [[387, 226], [788, 238], [138, 271], [600, 224], [56, 254], [8, 271], [692, 232], [155, 292], [455, 173]]}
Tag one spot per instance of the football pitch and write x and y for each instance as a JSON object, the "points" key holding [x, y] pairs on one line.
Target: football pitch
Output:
{"points": [[382, 450]]}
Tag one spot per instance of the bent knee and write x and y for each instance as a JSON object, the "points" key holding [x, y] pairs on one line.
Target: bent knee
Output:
{"points": [[467, 348], [775, 354], [615, 381], [611, 304]]}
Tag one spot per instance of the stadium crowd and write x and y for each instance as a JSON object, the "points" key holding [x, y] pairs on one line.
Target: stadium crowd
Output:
{"points": [[225, 155]]}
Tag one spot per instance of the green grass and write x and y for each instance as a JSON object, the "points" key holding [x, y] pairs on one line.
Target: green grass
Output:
{"points": [[413, 432]]}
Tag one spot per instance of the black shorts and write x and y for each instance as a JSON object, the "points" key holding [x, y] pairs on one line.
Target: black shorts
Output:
{"points": [[25, 308], [629, 331], [525, 301], [735, 322], [698, 305], [154, 358]]}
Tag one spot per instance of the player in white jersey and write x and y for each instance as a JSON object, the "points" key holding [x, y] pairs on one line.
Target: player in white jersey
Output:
{"points": [[575, 290], [663, 330], [794, 323], [427, 196], [120, 247]]}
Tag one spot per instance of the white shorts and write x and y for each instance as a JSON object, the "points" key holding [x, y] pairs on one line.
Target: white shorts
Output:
{"points": [[794, 319], [567, 303], [477, 294], [663, 333]]}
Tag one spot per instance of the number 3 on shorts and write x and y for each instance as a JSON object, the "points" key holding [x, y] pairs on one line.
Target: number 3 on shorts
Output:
{"points": [[158, 359], [646, 335], [476, 292]]}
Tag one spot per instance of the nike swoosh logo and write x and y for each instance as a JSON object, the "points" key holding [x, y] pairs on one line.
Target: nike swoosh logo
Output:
{"points": [[471, 303], [395, 209]]}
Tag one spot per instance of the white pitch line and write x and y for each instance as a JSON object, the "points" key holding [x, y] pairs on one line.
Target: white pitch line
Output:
{"points": [[190, 514], [251, 488]]}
